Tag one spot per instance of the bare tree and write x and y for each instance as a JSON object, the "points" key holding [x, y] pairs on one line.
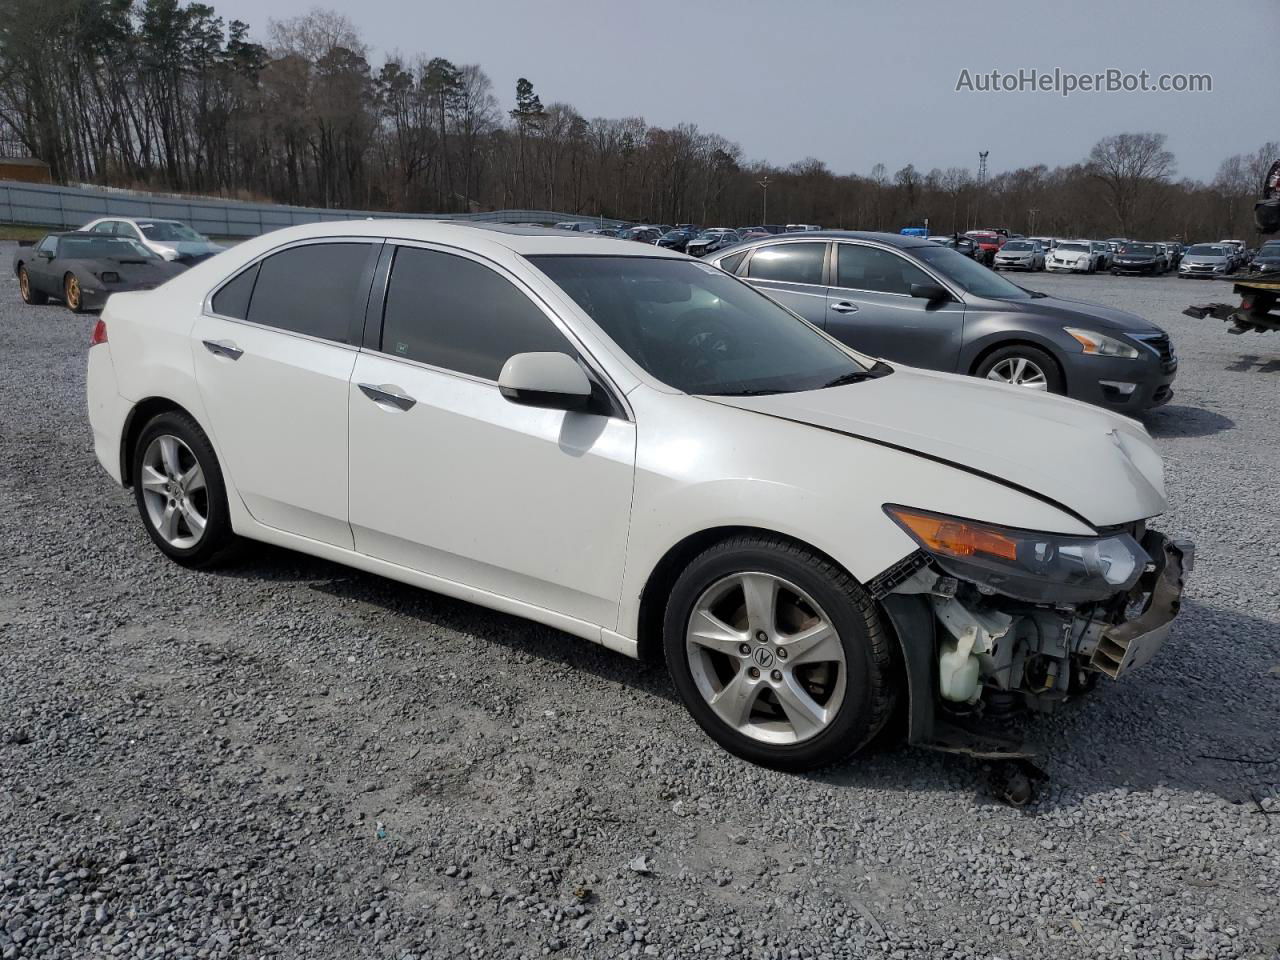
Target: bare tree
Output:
{"points": [[1128, 165]]}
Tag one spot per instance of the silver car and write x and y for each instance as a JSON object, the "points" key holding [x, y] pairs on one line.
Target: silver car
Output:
{"points": [[1206, 260], [170, 239], [1020, 255]]}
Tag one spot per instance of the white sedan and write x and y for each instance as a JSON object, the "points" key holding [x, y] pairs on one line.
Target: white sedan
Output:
{"points": [[639, 449], [170, 239], [1074, 256]]}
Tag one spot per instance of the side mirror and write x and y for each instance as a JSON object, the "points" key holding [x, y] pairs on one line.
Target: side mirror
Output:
{"points": [[929, 291], [551, 380]]}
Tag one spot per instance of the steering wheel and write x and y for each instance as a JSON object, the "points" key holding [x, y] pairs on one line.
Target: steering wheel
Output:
{"points": [[707, 334]]}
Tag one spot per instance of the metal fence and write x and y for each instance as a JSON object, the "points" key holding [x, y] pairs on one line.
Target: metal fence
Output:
{"points": [[66, 208]]}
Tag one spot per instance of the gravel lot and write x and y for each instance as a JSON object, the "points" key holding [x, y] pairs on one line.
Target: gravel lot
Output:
{"points": [[289, 758]]}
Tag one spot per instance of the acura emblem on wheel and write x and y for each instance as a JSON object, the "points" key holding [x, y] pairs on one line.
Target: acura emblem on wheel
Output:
{"points": [[763, 657]]}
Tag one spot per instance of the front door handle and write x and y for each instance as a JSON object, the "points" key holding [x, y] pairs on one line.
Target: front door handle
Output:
{"points": [[223, 348], [844, 306], [385, 394]]}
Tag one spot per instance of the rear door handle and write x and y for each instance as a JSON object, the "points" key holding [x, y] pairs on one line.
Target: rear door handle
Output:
{"points": [[386, 395], [844, 306], [223, 348]]}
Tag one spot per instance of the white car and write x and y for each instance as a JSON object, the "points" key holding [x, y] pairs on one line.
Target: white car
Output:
{"points": [[170, 239], [642, 450], [1074, 256]]}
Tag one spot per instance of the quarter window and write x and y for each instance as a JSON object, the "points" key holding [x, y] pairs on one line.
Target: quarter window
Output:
{"points": [[788, 263], [730, 263], [870, 268], [454, 313], [319, 289], [233, 299]]}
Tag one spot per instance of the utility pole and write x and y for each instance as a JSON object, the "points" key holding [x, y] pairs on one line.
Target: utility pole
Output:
{"points": [[764, 187], [982, 177], [1032, 214]]}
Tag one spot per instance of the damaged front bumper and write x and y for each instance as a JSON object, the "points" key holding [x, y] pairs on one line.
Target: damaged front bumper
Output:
{"points": [[973, 656]]}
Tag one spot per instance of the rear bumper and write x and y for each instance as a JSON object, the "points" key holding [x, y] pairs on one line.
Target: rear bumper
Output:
{"points": [[108, 411]]}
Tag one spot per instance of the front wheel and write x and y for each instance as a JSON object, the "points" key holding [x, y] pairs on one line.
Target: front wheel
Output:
{"points": [[1019, 365], [72, 295], [778, 654], [179, 490]]}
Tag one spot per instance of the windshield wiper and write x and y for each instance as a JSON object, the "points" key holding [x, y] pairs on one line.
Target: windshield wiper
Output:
{"points": [[876, 370]]}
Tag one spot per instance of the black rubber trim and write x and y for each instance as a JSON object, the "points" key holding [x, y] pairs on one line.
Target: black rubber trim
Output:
{"points": [[924, 456]]}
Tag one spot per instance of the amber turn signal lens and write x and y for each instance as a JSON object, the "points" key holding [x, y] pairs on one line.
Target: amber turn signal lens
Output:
{"points": [[956, 538]]}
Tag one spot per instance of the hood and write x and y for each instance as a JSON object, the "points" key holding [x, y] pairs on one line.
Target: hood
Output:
{"points": [[1075, 312], [151, 272], [193, 248], [1203, 258], [1097, 464]]}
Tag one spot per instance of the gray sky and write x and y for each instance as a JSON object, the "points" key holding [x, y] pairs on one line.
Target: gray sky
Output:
{"points": [[856, 83]]}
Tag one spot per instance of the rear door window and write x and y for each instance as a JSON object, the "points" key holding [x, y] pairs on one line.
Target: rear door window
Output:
{"points": [[317, 289], [788, 263]]}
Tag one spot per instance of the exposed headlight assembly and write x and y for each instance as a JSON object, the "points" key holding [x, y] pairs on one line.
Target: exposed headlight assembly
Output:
{"points": [[1098, 345], [1023, 564]]}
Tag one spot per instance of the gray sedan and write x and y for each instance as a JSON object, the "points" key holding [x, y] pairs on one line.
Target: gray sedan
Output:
{"points": [[911, 300]]}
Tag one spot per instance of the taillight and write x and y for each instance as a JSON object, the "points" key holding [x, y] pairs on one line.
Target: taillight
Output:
{"points": [[99, 334]]}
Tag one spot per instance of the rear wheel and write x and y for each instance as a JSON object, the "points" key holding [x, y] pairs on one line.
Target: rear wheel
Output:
{"points": [[72, 295], [29, 293], [1020, 365], [778, 654], [179, 490]]}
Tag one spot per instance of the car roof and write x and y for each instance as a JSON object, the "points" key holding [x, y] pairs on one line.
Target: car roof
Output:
{"points": [[891, 239], [525, 241]]}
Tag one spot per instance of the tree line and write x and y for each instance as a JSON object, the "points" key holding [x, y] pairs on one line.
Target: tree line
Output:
{"points": [[166, 95]]}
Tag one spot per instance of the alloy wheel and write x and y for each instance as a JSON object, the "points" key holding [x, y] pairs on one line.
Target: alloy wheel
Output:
{"points": [[24, 284], [1019, 372], [73, 292], [174, 492], [766, 658]]}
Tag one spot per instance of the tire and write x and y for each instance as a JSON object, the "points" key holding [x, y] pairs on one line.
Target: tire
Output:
{"points": [[72, 295], [1005, 360], [156, 488], [834, 707], [29, 293]]}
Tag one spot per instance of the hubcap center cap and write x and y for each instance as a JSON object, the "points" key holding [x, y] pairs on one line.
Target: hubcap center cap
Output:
{"points": [[763, 656]]}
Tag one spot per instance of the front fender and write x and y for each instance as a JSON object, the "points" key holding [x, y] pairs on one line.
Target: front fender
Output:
{"points": [[716, 466]]}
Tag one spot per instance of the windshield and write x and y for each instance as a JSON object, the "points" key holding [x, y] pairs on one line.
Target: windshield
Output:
{"points": [[697, 329], [1206, 250], [1144, 249], [103, 248], [168, 230], [968, 274], [1019, 245]]}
